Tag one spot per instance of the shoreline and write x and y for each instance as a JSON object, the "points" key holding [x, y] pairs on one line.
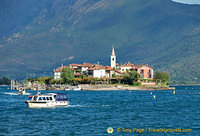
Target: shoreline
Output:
{"points": [[123, 88]]}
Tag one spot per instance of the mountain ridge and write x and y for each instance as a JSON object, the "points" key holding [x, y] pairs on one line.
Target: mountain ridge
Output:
{"points": [[160, 33]]}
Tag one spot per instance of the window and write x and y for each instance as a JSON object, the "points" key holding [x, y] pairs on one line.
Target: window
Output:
{"points": [[43, 98], [113, 59], [40, 98], [149, 71], [50, 98], [29, 98], [35, 98], [142, 71], [47, 98], [149, 75]]}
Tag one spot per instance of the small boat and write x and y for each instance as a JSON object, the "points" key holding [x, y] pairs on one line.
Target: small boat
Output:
{"points": [[68, 89], [77, 88], [47, 100], [21, 91]]}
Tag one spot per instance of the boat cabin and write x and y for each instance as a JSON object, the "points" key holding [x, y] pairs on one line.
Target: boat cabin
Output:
{"points": [[49, 97]]}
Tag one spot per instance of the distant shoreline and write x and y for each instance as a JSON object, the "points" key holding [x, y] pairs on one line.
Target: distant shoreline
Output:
{"points": [[4, 85], [186, 85], [120, 88]]}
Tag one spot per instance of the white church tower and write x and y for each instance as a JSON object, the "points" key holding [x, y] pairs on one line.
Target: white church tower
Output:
{"points": [[113, 59]]}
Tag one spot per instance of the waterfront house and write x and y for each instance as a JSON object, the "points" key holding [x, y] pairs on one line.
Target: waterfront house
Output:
{"points": [[97, 71], [126, 67], [118, 72], [57, 72], [85, 66], [74, 66], [145, 71], [109, 71]]}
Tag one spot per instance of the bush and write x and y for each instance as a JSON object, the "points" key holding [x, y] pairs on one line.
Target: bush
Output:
{"points": [[77, 80], [137, 83]]}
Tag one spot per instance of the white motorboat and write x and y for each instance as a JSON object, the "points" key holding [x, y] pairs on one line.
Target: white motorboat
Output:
{"points": [[68, 89], [47, 100], [76, 88], [21, 91]]}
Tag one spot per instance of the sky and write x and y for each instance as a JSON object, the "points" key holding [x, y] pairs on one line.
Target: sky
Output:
{"points": [[188, 1]]}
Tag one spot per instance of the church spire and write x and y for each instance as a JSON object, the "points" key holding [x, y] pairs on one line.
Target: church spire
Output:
{"points": [[113, 51], [113, 59]]}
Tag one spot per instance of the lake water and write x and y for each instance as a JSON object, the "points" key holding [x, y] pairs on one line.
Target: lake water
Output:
{"points": [[90, 113]]}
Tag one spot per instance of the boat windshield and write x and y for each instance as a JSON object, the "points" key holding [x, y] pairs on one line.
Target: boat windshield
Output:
{"points": [[35, 98], [30, 98]]}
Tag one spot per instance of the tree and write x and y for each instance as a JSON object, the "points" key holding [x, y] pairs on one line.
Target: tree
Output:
{"points": [[163, 76], [45, 80], [134, 76], [5, 81], [130, 78], [67, 75]]}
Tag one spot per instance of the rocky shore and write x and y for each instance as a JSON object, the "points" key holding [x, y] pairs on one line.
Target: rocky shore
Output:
{"points": [[140, 88], [102, 87]]}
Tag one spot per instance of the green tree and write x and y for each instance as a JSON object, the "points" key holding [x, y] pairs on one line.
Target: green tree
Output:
{"points": [[114, 75], [130, 78], [163, 76], [134, 76], [5, 81], [67, 75]]}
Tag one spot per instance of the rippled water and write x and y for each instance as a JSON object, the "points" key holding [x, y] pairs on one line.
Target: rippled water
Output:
{"points": [[92, 112]]}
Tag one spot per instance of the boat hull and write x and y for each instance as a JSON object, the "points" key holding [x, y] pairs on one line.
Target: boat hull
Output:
{"points": [[46, 104]]}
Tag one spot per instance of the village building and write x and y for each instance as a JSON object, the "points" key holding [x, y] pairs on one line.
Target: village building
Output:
{"points": [[57, 72], [96, 70], [74, 66], [145, 71], [118, 72], [85, 66], [109, 71], [126, 67]]}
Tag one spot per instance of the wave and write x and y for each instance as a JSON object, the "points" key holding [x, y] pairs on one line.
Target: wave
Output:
{"points": [[17, 93], [88, 106]]}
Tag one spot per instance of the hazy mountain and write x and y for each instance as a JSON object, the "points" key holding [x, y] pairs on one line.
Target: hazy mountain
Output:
{"points": [[37, 36]]}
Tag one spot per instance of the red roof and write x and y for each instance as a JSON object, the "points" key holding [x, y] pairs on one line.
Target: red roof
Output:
{"points": [[97, 67], [139, 66], [128, 64], [78, 74], [60, 69], [74, 65], [118, 71], [86, 65], [108, 68]]}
